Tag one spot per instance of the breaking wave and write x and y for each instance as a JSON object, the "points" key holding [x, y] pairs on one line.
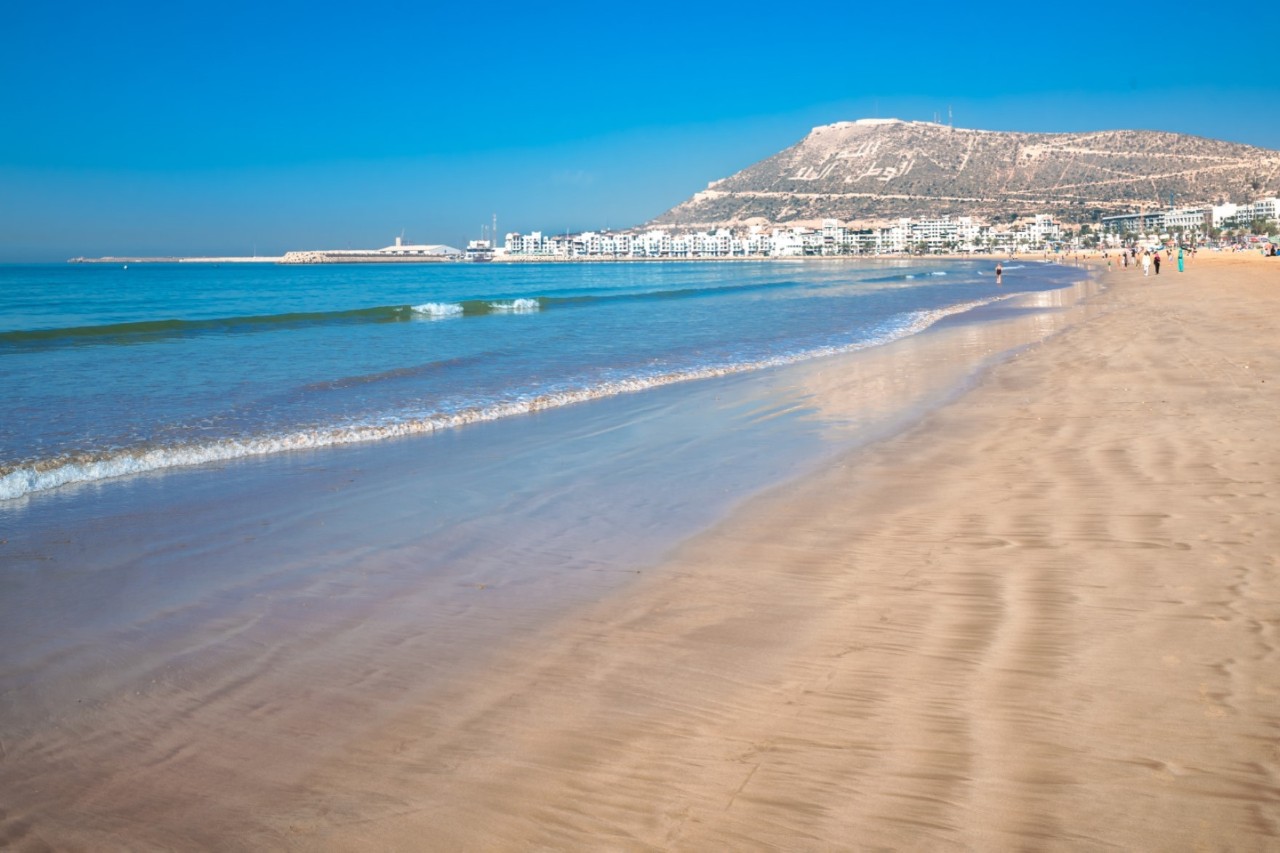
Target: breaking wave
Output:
{"points": [[439, 309], [148, 331]]}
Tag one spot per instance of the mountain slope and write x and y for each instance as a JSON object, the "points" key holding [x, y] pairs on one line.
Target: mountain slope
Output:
{"points": [[884, 168]]}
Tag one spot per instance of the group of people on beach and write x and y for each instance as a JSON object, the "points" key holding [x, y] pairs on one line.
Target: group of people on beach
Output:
{"points": [[1149, 258]]}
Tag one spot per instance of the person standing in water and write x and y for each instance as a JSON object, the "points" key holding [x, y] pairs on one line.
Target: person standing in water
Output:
{"points": [[999, 272]]}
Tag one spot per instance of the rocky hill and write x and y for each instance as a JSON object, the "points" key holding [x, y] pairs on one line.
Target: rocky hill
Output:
{"points": [[877, 169]]}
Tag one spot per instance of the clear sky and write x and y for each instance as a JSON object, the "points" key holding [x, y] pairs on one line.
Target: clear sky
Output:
{"points": [[234, 128]]}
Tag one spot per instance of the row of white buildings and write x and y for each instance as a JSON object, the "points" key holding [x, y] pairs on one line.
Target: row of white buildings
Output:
{"points": [[945, 234], [1194, 219], [964, 234]]}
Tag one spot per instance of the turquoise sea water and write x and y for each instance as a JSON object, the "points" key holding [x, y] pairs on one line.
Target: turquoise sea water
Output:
{"points": [[109, 371]]}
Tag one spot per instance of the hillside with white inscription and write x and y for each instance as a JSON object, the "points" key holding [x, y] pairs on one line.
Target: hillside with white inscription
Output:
{"points": [[877, 169]]}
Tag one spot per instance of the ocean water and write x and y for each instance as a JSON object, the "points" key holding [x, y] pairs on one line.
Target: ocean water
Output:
{"points": [[109, 371]]}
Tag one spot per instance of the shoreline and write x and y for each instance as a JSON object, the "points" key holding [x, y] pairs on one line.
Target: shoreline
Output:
{"points": [[1045, 617], [926, 644], [346, 257]]}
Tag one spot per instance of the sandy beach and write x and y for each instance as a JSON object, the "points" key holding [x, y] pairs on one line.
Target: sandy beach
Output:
{"points": [[1045, 617]]}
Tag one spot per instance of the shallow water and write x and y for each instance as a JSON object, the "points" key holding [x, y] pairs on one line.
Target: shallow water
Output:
{"points": [[112, 371]]}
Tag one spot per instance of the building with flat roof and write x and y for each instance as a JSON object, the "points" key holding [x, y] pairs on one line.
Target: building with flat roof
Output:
{"points": [[422, 249]]}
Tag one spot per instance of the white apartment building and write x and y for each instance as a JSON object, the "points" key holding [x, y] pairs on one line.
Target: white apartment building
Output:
{"points": [[1042, 229], [894, 238], [1243, 214], [1267, 208], [653, 244], [525, 244], [1187, 217], [946, 234], [758, 242], [938, 235], [1219, 214], [787, 244]]}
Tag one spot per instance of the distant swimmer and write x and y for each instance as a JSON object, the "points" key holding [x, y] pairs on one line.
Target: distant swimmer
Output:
{"points": [[999, 272]]}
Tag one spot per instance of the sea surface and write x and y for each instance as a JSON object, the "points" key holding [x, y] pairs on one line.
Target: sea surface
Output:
{"points": [[109, 370]]}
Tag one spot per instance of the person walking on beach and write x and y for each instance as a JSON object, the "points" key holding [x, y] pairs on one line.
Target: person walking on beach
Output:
{"points": [[1179, 259], [1124, 259], [999, 272], [1156, 261], [1146, 263]]}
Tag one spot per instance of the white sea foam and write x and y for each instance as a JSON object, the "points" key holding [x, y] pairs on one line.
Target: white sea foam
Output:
{"points": [[438, 309], [27, 480], [515, 306]]}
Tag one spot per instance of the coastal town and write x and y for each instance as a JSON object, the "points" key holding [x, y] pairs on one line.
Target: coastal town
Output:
{"points": [[1230, 224], [1243, 223], [943, 235]]}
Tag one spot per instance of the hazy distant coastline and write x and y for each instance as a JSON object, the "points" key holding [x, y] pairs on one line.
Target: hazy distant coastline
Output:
{"points": [[257, 259]]}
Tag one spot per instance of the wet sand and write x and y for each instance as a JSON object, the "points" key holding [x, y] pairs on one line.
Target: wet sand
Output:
{"points": [[1046, 617]]}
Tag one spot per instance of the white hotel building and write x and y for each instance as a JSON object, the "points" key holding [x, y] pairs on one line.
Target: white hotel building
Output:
{"points": [[1244, 214]]}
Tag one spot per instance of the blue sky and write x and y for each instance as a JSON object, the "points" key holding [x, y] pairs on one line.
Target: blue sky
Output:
{"points": [[229, 128]]}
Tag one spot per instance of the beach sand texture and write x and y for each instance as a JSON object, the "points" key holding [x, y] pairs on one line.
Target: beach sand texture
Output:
{"points": [[1045, 618]]}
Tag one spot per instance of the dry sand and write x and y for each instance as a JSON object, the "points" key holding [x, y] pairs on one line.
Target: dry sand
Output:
{"points": [[1046, 618]]}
